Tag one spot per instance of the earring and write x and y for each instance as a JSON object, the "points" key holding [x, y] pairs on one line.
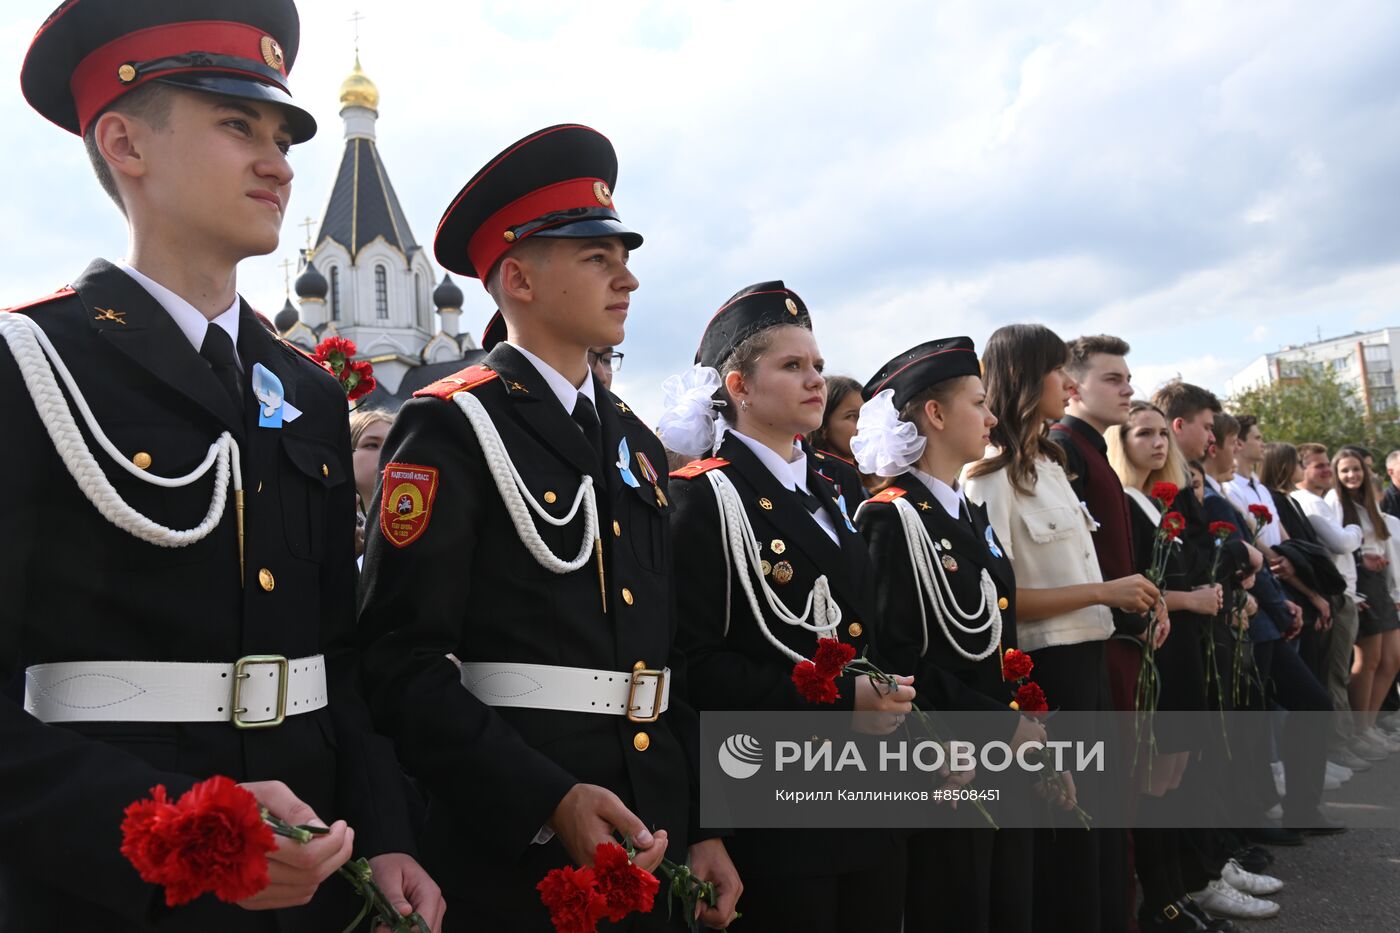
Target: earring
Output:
{"points": [[744, 405]]}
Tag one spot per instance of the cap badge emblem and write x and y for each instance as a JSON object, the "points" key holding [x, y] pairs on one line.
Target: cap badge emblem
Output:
{"points": [[601, 192], [126, 73], [271, 52]]}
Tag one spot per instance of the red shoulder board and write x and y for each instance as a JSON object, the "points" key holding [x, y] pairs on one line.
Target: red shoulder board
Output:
{"points": [[61, 293], [697, 467], [890, 494], [460, 381]]}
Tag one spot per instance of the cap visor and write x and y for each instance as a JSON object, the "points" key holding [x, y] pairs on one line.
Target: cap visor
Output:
{"points": [[597, 227], [300, 123]]}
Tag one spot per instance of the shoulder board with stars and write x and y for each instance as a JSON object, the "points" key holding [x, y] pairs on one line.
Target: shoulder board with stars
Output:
{"points": [[699, 467], [460, 381], [889, 495], [61, 293]]}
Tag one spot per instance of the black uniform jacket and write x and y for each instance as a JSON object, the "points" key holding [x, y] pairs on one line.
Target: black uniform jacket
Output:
{"points": [[740, 669], [902, 636], [77, 588], [470, 588]]}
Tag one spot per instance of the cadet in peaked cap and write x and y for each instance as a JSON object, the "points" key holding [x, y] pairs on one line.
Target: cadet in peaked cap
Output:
{"points": [[959, 878], [135, 569], [523, 530]]}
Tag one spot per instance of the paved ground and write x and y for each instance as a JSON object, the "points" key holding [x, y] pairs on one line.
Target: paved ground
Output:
{"points": [[1349, 882]]}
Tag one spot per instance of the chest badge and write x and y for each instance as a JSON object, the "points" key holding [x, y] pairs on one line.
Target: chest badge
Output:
{"points": [[273, 408], [107, 314], [782, 572], [624, 464], [992, 543], [649, 474], [950, 563]]}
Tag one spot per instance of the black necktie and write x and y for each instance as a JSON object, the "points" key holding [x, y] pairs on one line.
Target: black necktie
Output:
{"points": [[586, 417], [217, 350], [809, 501]]}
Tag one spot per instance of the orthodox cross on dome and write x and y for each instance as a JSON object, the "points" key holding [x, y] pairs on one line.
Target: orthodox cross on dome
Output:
{"points": [[286, 265], [356, 18], [308, 224]]}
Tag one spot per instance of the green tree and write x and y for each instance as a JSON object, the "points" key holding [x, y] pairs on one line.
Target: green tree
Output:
{"points": [[1316, 407]]}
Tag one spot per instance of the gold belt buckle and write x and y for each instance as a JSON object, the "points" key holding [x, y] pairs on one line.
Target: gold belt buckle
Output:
{"points": [[656, 700], [241, 674]]}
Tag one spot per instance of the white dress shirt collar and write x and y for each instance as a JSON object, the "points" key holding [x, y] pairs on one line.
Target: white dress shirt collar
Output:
{"points": [[191, 321], [950, 497], [563, 389], [792, 474], [1214, 483]]}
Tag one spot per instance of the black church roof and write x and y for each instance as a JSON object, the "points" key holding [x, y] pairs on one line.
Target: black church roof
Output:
{"points": [[363, 204]]}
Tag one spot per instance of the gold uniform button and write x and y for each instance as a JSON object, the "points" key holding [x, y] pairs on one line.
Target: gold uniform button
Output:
{"points": [[325, 470], [1002, 603], [617, 529], [856, 629], [550, 498], [126, 73], [627, 596], [641, 741], [639, 666], [265, 579], [142, 460]]}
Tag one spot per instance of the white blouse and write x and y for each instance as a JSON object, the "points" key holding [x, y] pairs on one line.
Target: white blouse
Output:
{"points": [[1048, 536]]}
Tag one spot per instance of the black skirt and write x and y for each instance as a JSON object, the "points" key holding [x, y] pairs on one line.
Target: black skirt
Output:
{"points": [[1379, 615]]}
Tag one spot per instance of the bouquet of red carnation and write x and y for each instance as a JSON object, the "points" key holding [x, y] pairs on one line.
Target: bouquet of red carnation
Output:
{"points": [[1016, 666], [1220, 532], [215, 840], [356, 376], [1165, 493], [1262, 516], [613, 887], [1167, 536]]}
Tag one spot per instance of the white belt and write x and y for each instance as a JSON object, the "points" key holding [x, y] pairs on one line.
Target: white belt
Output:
{"points": [[254, 692], [641, 695]]}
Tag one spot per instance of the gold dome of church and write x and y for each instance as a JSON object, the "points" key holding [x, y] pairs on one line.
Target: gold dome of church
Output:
{"points": [[358, 90]]}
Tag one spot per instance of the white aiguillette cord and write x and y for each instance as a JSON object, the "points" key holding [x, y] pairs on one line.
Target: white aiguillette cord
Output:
{"points": [[38, 361], [946, 610], [739, 545], [519, 502]]}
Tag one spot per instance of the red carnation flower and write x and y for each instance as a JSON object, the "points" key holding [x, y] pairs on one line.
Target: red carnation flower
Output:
{"points": [[1261, 513], [832, 656], [624, 886], [815, 686], [1031, 699], [1016, 665], [1222, 530], [358, 380], [329, 349], [212, 840], [1173, 523], [572, 898], [1165, 493]]}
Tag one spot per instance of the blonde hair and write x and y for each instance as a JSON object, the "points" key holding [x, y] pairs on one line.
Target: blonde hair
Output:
{"points": [[1173, 471], [360, 422]]}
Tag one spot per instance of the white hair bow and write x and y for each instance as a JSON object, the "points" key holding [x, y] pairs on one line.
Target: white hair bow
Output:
{"points": [[688, 424], [883, 444]]}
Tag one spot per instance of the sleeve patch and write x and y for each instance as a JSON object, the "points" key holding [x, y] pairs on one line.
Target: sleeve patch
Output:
{"points": [[406, 502], [890, 494], [698, 467], [460, 381]]}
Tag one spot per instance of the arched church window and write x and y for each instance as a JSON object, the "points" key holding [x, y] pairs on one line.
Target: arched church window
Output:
{"points": [[335, 293], [381, 293]]}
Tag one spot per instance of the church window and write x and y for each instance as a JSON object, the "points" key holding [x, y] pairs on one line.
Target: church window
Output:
{"points": [[335, 293], [381, 293], [418, 300]]}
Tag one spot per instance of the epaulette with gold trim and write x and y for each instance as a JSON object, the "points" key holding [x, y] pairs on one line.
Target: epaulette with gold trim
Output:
{"points": [[699, 467], [460, 381], [61, 293], [890, 494]]}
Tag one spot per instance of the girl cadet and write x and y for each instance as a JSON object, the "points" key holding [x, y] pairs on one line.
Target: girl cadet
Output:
{"points": [[769, 562], [946, 594]]}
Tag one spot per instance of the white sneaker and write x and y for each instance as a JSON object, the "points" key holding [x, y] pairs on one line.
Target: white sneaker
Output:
{"points": [[1385, 741], [1363, 747], [1349, 759], [1340, 772], [1222, 900], [1274, 813], [1331, 783], [1236, 877], [1279, 780]]}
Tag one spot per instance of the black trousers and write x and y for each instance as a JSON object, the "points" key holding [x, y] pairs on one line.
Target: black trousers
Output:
{"points": [[1290, 684], [870, 900], [973, 880]]}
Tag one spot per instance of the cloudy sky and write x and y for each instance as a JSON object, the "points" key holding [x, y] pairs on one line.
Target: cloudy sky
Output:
{"points": [[1208, 180]]}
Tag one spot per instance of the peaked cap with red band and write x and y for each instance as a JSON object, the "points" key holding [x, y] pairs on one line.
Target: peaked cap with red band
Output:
{"points": [[556, 182], [89, 53], [747, 312], [920, 367]]}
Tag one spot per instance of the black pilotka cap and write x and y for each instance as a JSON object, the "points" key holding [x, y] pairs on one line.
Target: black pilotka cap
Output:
{"points": [[88, 53], [920, 367], [749, 311], [556, 182]]}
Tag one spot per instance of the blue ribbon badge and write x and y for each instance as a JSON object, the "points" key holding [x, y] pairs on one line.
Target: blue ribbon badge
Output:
{"points": [[273, 409], [624, 461], [992, 543], [841, 504]]}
